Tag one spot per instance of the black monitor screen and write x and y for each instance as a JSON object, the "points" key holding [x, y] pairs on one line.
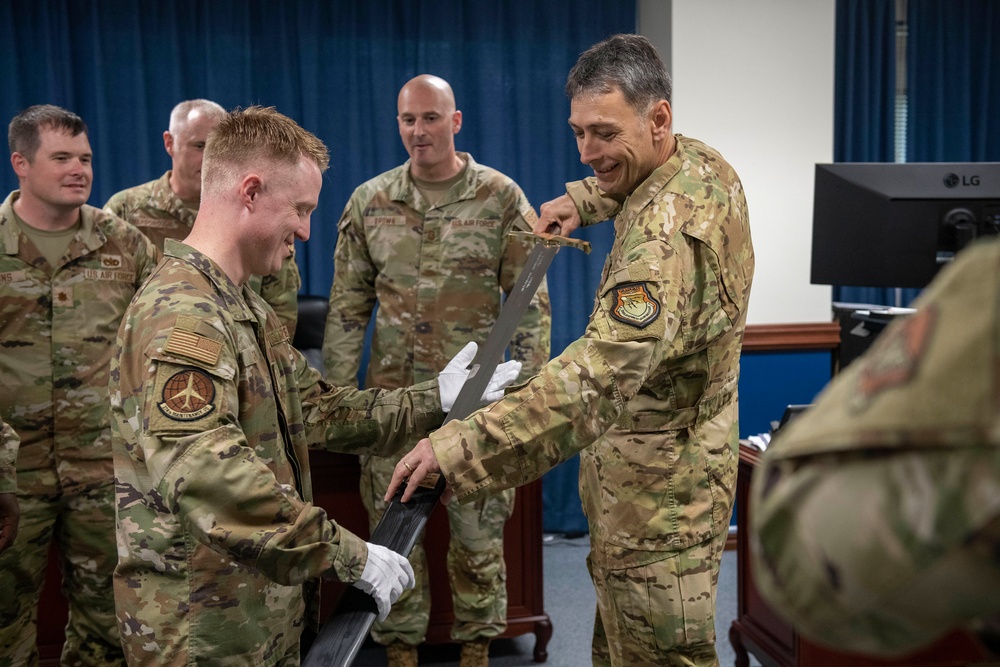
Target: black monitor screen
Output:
{"points": [[891, 224]]}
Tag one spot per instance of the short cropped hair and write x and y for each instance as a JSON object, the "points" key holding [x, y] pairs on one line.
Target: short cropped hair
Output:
{"points": [[256, 134], [24, 131], [629, 63], [179, 114]]}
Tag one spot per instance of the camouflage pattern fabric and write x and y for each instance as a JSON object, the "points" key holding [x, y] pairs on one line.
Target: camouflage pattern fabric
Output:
{"points": [[9, 443], [876, 521], [212, 413], [83, 523], [437, 273], [160, 215], [659, 613], [57, 327], [648, 395]]}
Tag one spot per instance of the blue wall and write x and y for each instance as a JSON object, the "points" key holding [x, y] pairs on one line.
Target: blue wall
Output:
{"points": [[769, 381]]}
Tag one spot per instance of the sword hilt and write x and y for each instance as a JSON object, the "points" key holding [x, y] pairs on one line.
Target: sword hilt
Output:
{"points": [[553, 240]]}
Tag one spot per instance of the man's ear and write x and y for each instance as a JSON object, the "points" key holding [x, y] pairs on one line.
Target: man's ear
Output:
{"points": [[168, 143], [250, 188], [20, 164], [456, 122], [661, 120]]}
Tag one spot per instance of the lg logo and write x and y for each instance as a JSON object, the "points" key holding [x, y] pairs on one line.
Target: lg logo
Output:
{"points": [[954, 180]]}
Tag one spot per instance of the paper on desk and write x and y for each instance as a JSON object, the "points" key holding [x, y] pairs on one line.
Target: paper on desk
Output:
{"points": [[760, 441]]}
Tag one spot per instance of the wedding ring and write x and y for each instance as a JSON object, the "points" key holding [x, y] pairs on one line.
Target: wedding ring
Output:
{"points": [[407, 466]]}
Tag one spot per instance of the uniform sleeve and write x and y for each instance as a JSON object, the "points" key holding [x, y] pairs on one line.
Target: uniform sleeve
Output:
{"points": [[229, 500], [146, 257], [220, 489], [117, 205], [578, 395], [593, 204], [352, 299], [9, 443], [281, 291], [532, 339], [372, 421]]}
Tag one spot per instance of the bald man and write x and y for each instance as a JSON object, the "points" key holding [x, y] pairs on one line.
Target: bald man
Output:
{"points": [[428, 242], [166, 208]]}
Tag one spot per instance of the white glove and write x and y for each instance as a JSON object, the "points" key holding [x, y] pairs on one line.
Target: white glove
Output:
{"points": [[453, 376], [386, 576]]}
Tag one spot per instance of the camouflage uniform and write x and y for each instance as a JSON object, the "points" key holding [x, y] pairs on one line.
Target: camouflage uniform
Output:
{"points": [[648, 396], [437, 272], [876, 521], [160, 215], [212, 413], [9, 442], [57, 327]]}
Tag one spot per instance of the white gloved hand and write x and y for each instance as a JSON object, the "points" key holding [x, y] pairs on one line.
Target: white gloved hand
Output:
{"points": [[453, 376], [386, 576]]}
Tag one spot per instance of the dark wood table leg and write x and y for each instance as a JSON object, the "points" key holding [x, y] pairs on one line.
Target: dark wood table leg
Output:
{"points": [[543, 633], [742, 657]]}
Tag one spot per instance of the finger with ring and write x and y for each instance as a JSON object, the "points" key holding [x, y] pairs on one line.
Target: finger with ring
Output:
{"points": [[407, 466]]}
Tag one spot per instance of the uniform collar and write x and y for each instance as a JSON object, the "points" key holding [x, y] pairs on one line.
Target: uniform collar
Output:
{"points": [[404, 190], [655, 182], [163, 198], [230, 293], [87, 240]]}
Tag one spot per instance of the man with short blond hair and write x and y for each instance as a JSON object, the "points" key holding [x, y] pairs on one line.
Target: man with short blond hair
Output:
{"points": [[220, 545], [166, 207]]}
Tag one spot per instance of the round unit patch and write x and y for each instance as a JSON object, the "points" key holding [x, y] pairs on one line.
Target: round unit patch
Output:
{"points": [[634, 305], [188, 395]]}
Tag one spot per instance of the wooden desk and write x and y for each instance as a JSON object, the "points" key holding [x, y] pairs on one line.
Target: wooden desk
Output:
{"points": [[758, 629]]}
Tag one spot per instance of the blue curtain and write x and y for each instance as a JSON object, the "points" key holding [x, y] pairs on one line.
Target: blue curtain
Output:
{"points": [[336, 66], [953, 81], [864, 81], [953, 90], [864, 103]]}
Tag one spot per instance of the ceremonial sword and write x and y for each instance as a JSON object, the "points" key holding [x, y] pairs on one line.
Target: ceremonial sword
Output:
{"points": [[343, 633]]}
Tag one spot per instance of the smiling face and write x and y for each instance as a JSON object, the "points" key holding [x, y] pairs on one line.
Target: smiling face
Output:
{"points": [[60, 174], [621, 145], [428, 123], [283, 207]]}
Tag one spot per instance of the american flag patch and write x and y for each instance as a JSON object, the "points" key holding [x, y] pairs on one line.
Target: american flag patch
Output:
{"points": [[194, 346]]}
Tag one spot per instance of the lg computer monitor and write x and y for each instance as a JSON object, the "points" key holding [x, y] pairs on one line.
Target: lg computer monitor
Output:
{"points": [[895, 224]]}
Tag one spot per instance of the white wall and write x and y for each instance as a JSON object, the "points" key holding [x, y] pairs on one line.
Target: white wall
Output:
{"points": [[755, 81]]}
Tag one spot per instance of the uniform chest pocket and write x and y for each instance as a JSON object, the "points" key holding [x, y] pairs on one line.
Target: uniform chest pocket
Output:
{"points": [[472, 246]]}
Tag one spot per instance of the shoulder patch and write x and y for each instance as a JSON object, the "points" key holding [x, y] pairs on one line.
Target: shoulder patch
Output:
{"points": [[634, 305], [902, 351], [193, 345], [187, 395]]}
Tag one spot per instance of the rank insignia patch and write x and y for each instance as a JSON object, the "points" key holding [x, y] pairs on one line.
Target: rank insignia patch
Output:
{"points": [[634, 305], [188, 395]]}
